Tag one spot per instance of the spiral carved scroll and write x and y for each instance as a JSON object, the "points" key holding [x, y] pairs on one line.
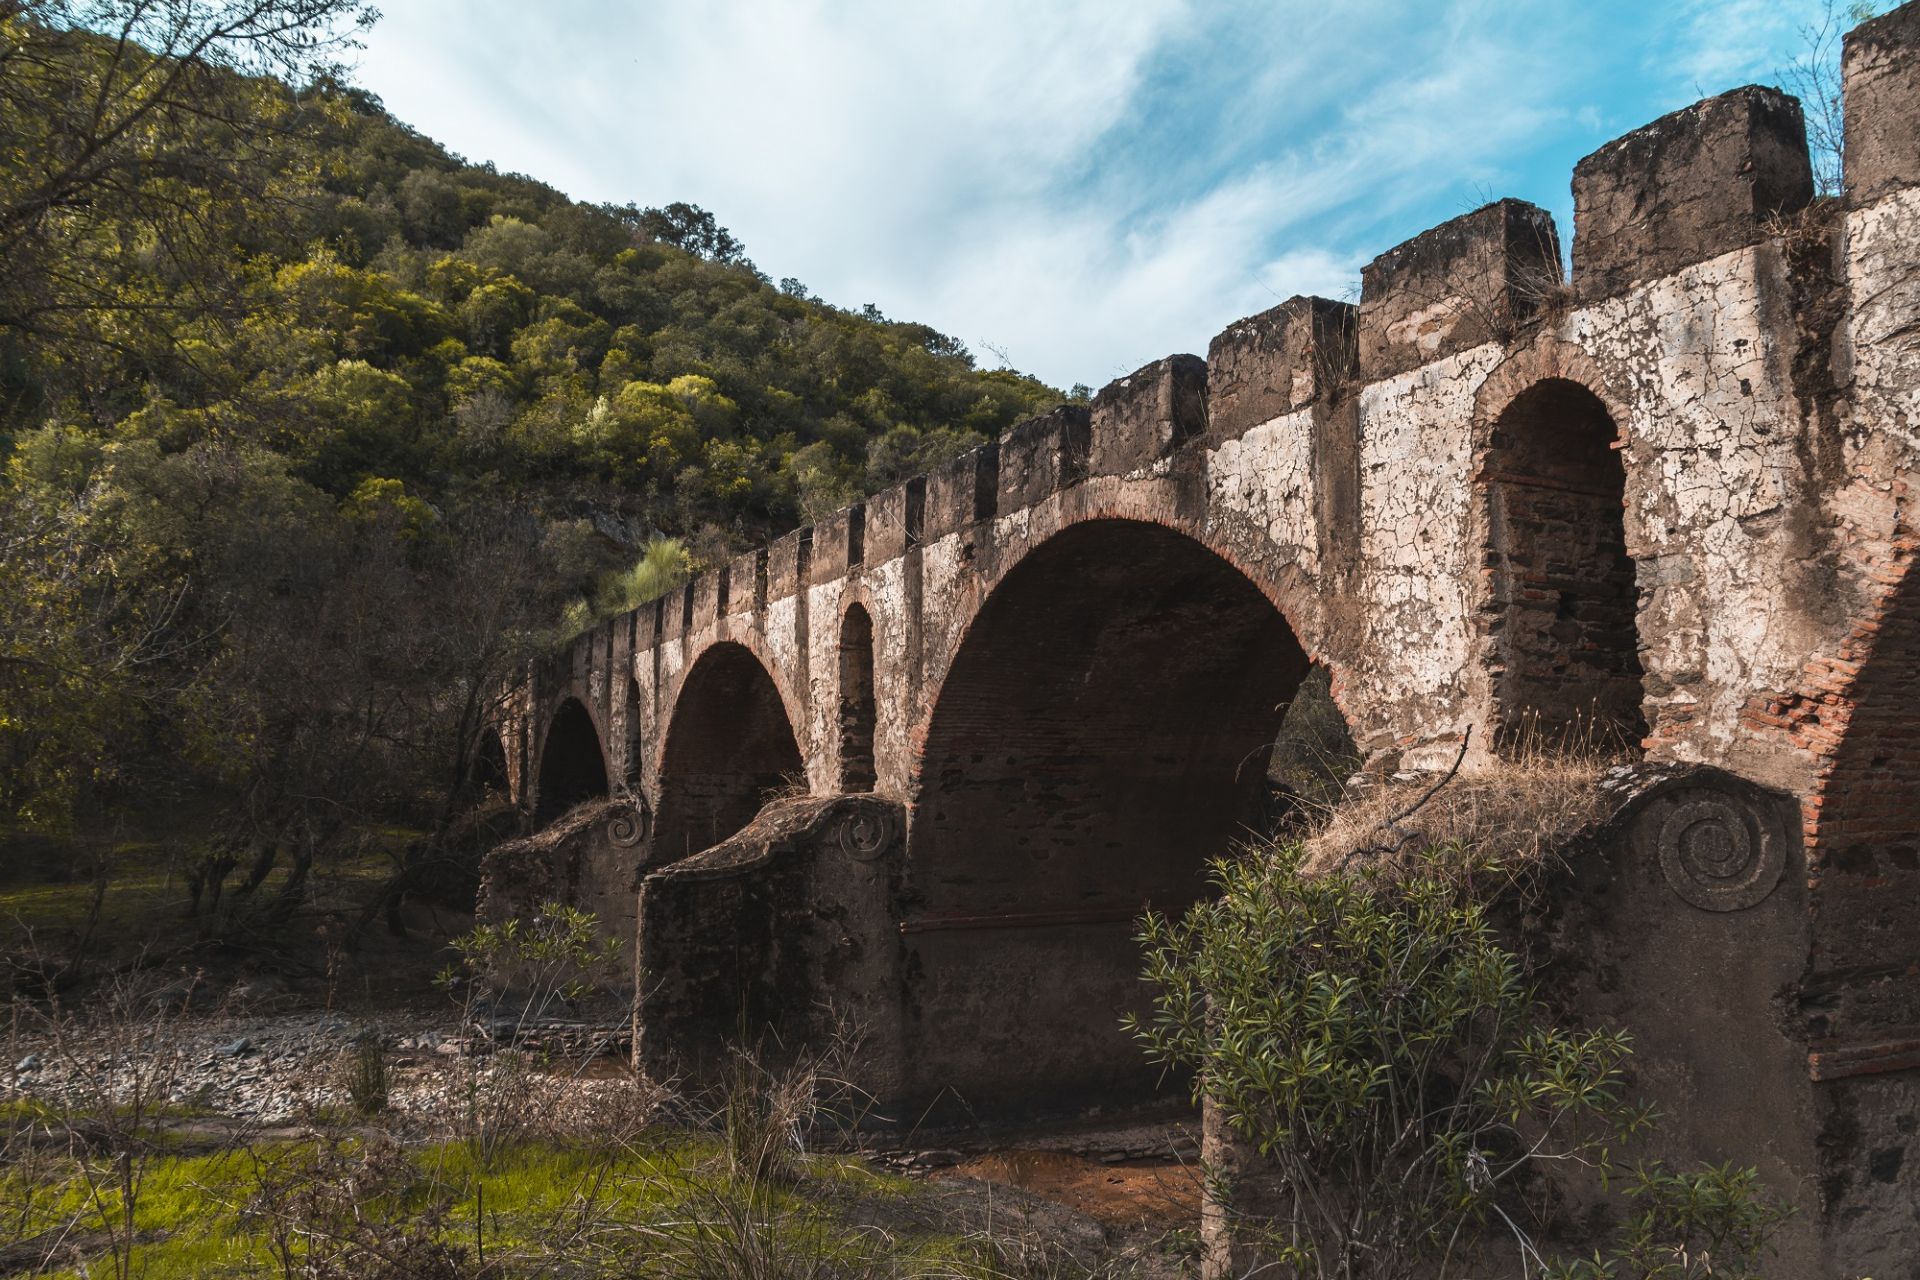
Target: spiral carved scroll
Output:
{"points": [[628, 827], [1715, 851], [865, 834]]}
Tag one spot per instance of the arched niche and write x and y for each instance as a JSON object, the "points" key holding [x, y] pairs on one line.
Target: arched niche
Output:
{"points": [[1562, 612], [856, 709], [573, 768], [636, 738], [729, 747]]}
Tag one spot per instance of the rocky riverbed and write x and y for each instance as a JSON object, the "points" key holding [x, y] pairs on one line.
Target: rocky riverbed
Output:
{"points": [[276, 1069]]}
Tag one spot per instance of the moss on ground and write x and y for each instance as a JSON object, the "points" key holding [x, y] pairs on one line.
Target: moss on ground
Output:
{"points": [[664, 1196]]}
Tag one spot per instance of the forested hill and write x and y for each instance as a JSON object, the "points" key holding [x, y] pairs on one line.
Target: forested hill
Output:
{"points": [[418, 319], [513, 333], [313, 431]]}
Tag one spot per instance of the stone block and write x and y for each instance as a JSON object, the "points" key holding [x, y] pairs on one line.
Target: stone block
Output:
{"points": [[619, 657], [1141, 418], [895, 520], [1882, 68], [1043, 455], [1280, 360], [646, 626], [963, 492], [600, 656], [747, 582], [1469, 281], [676, 612], [1690, 186], [839, 543], [709, 597], [789, 563]]}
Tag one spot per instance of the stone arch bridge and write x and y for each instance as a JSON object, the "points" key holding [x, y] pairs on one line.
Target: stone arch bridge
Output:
{"points": [[1002, 706]]}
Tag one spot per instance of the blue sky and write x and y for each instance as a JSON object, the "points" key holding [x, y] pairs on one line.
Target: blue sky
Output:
{"points": [[1082, 185]]}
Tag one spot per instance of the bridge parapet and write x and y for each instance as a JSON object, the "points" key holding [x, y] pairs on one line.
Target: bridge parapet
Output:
{"points": [[896, 519], [839, 543], [1284, 359], [1042, 456], [1882, 105], [1470, 281], [963, 492]]}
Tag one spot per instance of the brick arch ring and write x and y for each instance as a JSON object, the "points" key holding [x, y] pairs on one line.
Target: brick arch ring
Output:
{"points": [[1546, 358]]}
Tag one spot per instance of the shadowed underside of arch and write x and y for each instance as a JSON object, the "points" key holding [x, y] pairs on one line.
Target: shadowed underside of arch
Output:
{"points": [[1867, 912], [572, 766], [1103, 732], [487, 771], [729, 745]]}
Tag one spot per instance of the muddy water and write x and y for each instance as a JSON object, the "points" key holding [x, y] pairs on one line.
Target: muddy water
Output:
{"points": [[1120, 1193]]}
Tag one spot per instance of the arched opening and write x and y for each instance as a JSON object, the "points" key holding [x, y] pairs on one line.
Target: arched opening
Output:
{"points": [[488, 778], [1563, 613], [1314, 755], [856, 701], [487, 769], [636, 743], [572, 766], [1103, 732], [729, 746]]}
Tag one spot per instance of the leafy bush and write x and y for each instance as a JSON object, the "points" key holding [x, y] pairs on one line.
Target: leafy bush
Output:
{"points": [[1690, 1226], [1366, 1034], [517, 975], [344, 1209]]}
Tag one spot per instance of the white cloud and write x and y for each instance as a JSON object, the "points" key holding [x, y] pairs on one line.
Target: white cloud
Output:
{"points": [[1715, 45], [1087, 184]]}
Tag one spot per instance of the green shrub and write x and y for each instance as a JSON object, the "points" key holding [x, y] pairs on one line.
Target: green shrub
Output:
{"points": [[1366, 1033], [1714, 1222]]}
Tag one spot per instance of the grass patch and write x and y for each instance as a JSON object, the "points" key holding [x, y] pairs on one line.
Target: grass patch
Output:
{"points": [[65, 903], [666, 1197], [1514, 810]]}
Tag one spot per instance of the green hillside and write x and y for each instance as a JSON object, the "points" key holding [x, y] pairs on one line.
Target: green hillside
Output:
{"points": [[313, 432]]}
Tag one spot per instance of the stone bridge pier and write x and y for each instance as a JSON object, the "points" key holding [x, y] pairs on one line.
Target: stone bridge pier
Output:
{"points": [[919, 767]]}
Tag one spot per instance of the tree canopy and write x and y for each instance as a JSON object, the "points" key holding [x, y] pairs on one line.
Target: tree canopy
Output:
{"points": [[312, 432]]}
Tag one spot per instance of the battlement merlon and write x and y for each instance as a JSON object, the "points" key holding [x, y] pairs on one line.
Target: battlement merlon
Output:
{"points": [[1280, 360], [1694, 184], [1881, 66], [1143, 417], [1462, 284]]}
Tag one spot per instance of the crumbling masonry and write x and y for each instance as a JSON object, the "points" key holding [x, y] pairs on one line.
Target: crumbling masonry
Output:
{"points": [[1005, 705]]}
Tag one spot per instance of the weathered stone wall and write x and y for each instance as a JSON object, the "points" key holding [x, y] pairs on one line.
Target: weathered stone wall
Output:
{"points": [[781, 936], [1069, 627], [591, 860]]}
